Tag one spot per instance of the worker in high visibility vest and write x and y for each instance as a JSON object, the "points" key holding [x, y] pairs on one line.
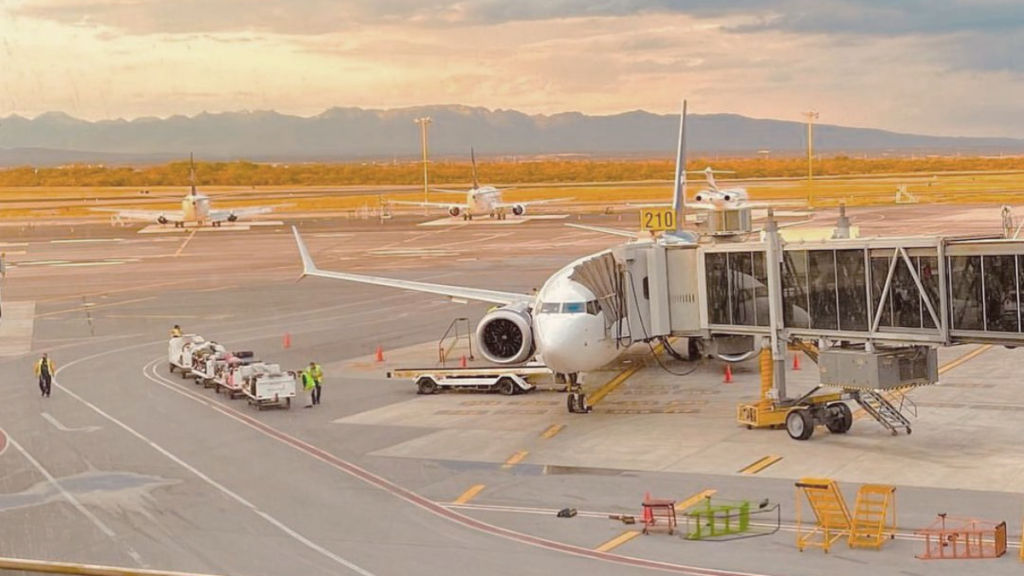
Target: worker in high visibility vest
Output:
{"points": [[176, 331], [308, 385], [44, 371], [318, 376]]}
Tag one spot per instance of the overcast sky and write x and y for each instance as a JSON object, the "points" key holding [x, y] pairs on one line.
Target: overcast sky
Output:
{"points": [[949, 67]]}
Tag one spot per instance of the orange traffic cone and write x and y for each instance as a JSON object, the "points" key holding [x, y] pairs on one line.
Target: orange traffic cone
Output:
{"points": [[380, 353], [463, 363], [728, 375], [287, 342], [796, 361], [648, 515]]}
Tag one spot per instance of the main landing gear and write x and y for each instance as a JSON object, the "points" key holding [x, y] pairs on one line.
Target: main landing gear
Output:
{"points": [[576, 401]]}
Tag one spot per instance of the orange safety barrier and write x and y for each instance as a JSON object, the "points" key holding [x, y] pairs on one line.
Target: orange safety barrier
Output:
{"points": [[728, 375], [380, 353], [950, 538]]}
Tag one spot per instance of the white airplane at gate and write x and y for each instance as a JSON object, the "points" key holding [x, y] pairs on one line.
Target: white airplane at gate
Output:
{"points": [[195, 209], [569, 326], [480, 201]]}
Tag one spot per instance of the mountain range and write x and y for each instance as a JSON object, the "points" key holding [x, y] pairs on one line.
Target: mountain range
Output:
{"points": [[360, 134]]}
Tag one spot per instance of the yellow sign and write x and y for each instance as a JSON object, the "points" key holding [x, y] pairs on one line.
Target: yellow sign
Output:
{"points": [[657, 219]]}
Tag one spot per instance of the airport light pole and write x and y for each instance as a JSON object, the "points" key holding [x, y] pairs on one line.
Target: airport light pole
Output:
{"points": [[811, 115], [424, 124]]}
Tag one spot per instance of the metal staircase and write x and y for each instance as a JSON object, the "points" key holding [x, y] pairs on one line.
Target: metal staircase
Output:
{"points": [[832, 518], [874, 516], [881, 409]]}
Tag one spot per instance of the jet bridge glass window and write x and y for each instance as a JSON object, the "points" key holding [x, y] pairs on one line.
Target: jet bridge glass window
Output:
{"points": [[965, 287], [853, 297], [1000, 286], [928, 272], [717, 275], [879, 273], [905, 297], [794, 289], [741, 289], [821, 271], [760, 289]]}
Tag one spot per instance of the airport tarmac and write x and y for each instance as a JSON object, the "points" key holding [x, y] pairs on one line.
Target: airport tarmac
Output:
{"points": [[127, 465]]}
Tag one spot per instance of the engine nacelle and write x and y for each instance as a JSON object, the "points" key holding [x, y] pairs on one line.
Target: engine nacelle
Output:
{"points": [[162, 219], [519, 209], [454, 211], [728, 197], [700, 197], [505, 336], [232, 218]]}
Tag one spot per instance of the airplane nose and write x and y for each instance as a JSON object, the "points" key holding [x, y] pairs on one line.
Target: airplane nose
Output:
{"points": [[562, 347]]}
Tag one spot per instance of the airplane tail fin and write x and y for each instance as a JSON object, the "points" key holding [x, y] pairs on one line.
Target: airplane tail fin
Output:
{"points": [[308, 266], [472, 159], [679, 188], [192, 172]]}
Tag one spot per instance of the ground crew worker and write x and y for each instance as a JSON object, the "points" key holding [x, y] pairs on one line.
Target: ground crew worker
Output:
{"points": [[176, 331], [308, 384], [318, 376], [44, 371]]}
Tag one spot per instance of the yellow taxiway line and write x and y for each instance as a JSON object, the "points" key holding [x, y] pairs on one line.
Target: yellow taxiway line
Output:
{"points": [[515, 459], [618, 541], [965, 358], [468, 495], [760, 465], [551, 431], [695, 499]]}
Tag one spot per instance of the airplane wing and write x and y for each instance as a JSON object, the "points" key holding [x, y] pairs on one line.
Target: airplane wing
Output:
{"points": [[430, 204], [146, 215], [530, 203], [455, 292], [246, 212], [447, 191]]}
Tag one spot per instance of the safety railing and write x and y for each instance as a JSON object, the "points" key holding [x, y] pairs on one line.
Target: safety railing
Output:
{"points": [[459, 329]]}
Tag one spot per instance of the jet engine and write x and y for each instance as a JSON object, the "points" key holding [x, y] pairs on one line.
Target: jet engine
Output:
{"points": [[727, 197], [162, 219], [519, 209], [701, 197], [454, 211], [232, 218], [505, 336]]}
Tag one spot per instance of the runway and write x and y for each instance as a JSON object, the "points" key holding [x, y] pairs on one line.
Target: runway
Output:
{"points": [[128, 465]]}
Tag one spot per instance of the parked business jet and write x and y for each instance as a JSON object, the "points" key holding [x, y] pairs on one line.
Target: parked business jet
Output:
{"points": [[480, 201], [195, 209]]}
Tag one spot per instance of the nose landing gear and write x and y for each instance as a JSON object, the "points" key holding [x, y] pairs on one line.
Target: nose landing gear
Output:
{"points": [[576, 402]]}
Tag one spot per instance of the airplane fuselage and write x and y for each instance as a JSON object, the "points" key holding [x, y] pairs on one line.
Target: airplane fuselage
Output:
{"points": [[483, 201], [196, 208]]}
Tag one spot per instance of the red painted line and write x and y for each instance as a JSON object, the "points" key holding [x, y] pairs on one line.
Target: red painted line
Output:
{"points": [[433, 507]]}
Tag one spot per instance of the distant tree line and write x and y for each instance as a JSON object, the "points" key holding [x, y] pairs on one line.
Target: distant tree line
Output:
{"points": [[553, 171]]}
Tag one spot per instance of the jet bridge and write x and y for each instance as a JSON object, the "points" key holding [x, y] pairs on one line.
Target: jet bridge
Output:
{"points": [[887, 303]]}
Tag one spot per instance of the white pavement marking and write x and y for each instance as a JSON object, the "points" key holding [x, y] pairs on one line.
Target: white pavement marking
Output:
{"points": [[17, 328], [213, 483], [84, 240], [56, 424], [74, 501]]}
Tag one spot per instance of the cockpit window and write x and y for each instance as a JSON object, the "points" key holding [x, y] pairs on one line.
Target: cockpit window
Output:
{"points": [[574, 308], [550, 308]]}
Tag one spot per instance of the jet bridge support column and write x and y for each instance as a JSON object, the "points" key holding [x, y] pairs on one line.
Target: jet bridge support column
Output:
{"points": [[773, 259]]}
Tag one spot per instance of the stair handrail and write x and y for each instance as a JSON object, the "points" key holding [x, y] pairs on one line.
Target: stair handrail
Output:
{"points": [[442, 352]]}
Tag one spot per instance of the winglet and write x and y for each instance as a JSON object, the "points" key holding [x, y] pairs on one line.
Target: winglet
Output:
{"points": [[308, 266]]}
